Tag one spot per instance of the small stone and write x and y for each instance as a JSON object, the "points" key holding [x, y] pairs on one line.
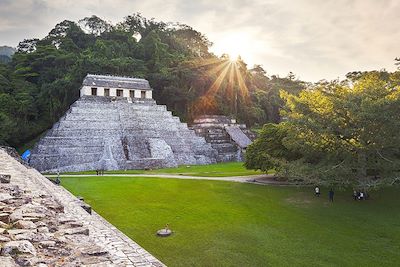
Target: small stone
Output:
{"points": [[2, 230], [33, 215], [8, 209], [18, 247], [5, 196], [94, 251], [4, 238], [25, 236], [47, 243], [75, 231], [32, 219], [7, 261], [64, 220], [23, 260], [40, 224], [5, 178], [3, 225], [21, 224], [15, 216], [17, 231], [43, 229], [4, 217], [75, 224]]}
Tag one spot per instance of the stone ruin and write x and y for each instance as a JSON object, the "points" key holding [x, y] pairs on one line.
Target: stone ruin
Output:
{"points": [[115, 125], [42, 224], [229, 138]]}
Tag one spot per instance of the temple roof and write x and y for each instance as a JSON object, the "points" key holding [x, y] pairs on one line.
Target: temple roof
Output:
{"points": [[116, 82]]}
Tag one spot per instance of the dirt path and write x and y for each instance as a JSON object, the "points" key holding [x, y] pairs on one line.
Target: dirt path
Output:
{"points": [[261, 179]]}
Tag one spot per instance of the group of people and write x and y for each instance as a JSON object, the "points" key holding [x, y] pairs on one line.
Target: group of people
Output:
{"points": [[330, 194], [359, 195], [99, 172]]}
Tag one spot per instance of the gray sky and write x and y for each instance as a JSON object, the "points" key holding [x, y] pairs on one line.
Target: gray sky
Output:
{"points": [[315, 39]]}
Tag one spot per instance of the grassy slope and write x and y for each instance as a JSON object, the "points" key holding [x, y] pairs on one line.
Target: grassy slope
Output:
{"points": [[213, 170], [233, 224]]}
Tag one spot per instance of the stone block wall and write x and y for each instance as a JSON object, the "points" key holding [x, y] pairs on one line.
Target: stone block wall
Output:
{"points": [[217, 131], [42, 224], [111, 133]]}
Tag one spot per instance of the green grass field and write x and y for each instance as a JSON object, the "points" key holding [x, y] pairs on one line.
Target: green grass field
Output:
{"points": [[214, 170], [219, 223]]}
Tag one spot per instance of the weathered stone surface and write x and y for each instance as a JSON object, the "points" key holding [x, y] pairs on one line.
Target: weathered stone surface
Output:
{"points": [[46, 244], [94, 251], [22, 224], [75, 231], [4, 217], [99, 133], [5, 196], [4, 238], [15, 216], [7, 261], [227, 137], [5, 178], [25, 236], [17, 231], [18, 247], [64, 234]]}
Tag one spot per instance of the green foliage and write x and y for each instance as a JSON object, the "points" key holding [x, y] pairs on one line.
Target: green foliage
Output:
{"points": [[346, 133], [44, 76]]}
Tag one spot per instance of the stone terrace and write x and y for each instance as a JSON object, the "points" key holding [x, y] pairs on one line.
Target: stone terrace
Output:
{"points": [[42, 224]]}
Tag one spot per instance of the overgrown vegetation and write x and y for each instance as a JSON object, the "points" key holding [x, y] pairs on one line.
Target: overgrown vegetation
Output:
{"points": [[44, 76], [336, 133]]}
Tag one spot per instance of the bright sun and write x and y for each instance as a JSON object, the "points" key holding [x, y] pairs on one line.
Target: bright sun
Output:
{"points": [[235, 45]]}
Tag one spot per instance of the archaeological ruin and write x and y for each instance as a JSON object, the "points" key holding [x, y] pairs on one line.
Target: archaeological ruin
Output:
{"points": [[115, 125], [229, 138], [42, 224]]}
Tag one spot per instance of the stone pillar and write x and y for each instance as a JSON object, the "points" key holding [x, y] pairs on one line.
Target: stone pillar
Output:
{"points": [[137, 93]]}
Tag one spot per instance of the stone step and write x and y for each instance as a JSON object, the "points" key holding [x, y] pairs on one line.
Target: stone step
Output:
{"points": [[225, 147]]}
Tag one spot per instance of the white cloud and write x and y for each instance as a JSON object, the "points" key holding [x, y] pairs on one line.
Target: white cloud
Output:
{"points": [[315, 39]]}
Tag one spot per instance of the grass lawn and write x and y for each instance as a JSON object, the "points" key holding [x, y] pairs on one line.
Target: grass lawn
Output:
{"points": [[214, 170], [219, 223]]}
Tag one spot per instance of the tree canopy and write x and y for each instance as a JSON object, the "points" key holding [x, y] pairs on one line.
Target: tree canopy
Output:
{"points": [[44, 76], [336, 133]]}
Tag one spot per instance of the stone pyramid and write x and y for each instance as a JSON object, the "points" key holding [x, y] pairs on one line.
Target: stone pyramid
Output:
{"points": [[114, 133]]}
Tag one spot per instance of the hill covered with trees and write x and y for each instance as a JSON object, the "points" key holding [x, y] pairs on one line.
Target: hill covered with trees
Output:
{"points": [[44, 76]]}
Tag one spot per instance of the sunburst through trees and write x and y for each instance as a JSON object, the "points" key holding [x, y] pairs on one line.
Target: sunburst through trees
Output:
{"points": [[227, 85]]}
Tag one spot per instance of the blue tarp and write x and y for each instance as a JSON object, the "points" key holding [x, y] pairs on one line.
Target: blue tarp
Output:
{"points": [[25, 156]]}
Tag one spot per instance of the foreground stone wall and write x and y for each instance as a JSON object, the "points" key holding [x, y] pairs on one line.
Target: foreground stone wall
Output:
{"points": [[42, 224], [113, 134]]}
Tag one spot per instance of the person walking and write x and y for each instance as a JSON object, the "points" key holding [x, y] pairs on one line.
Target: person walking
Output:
{"points": [[331, 194], [317, 191]]}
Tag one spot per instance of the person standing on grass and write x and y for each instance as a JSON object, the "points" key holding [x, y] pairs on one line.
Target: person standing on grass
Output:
{"points": [[355, 194], [331, 194], [317, 192]]}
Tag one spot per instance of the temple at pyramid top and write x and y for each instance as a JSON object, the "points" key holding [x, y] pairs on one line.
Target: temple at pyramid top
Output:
{"points": [[104, 85]]}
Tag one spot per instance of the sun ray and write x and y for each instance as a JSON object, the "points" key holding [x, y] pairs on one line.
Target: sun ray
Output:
{"points": [[205, 62], [217, 83], [242, 85], [218, 68]]}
